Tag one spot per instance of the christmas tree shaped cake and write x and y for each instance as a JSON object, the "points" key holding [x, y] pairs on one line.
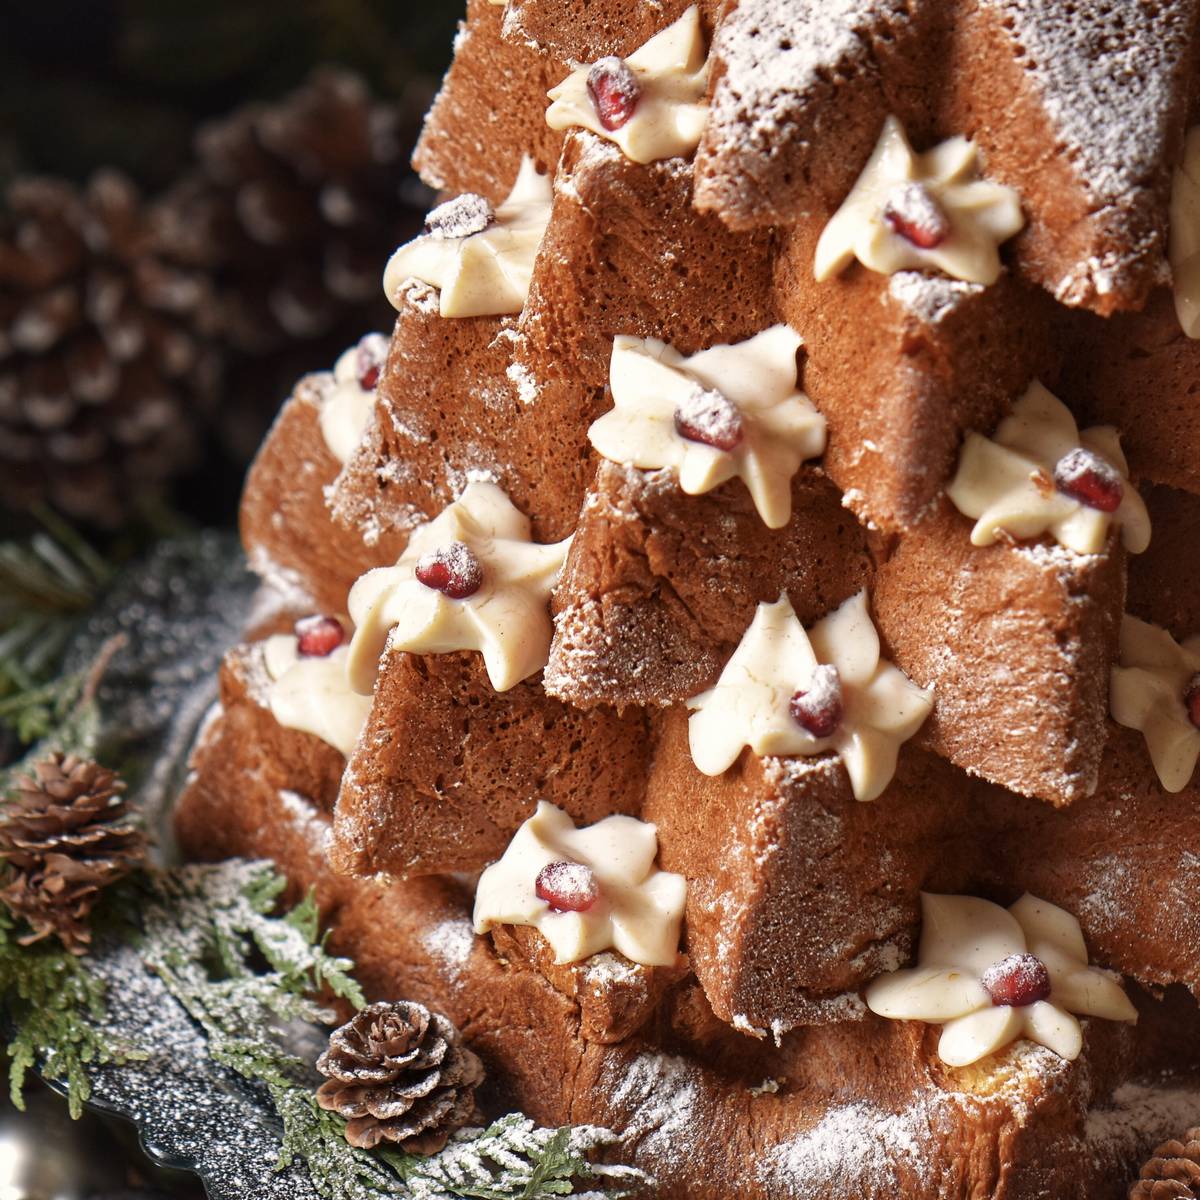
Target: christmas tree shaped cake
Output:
{"points": [[735, 650]]}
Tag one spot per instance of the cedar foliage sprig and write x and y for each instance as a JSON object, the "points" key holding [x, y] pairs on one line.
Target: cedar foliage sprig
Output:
{"points": [[54, 1004], [205, 930], [202, 934], [514, 1158], [47, 581]]}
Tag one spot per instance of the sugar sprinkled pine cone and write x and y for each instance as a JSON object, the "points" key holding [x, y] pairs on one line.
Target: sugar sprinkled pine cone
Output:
{"points": [[65, 836], [399, 1073]]}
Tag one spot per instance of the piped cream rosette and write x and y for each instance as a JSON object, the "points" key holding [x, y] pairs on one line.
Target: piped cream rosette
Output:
{"points": [[480, 260], [749, 387], [975, 955], [637, 908], [752, 702]]}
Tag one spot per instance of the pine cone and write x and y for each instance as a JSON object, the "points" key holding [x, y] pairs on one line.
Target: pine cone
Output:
{"points": [[399, 1073], [65, 838], [294, 209], [292, 212], [103, 369], [1173, 1172]]}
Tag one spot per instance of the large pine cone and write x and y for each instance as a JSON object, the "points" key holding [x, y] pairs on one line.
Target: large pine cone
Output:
{"points": [[65, 837], [399, 1073], [104, 370], [292, 212], [1173, 1172], [295, 207]]}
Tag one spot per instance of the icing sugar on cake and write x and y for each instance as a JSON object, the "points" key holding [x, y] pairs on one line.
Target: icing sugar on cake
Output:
{"points": [[932, 298], [1107, 72], [847, 1145]]}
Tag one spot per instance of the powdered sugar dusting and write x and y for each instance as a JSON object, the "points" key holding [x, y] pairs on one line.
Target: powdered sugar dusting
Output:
{"points": [[523, 380], [931, 298], [660, 1092], [305, 817], [1108, 74], [847, 1146], [776, 59], [1140, 1115], [460, 218], [450, 942]]}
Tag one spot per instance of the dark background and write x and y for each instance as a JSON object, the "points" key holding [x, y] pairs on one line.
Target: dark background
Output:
{"points": [[92, 84]]}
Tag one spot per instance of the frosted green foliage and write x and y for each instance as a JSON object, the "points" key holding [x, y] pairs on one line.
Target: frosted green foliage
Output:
{"points": [[54, 1006]]}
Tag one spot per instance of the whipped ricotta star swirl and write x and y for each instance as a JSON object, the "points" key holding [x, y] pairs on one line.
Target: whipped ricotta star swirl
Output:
{"points": [[731, 411], [480, 259], [651, 104], [586, 890], [990, 975], [785, 692], [471, 579], [928, 211]]}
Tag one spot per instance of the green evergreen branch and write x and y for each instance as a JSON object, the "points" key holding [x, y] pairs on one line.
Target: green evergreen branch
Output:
{"points": [[515, 1160], [205, 931], [46, 582], [54, 1004]]}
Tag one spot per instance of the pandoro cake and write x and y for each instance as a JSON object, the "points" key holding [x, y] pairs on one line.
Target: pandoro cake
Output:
{"points": [[736, 647]]}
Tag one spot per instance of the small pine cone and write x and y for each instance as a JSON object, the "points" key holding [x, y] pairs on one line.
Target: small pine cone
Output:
{"points": [[65, 837], [103, 368], [399, 1073], [1173, 1172]]}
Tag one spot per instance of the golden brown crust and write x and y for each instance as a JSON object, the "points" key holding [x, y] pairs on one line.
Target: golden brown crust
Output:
{"points": [[1016, 641], [1164, 583], [489, 111], [576, 30], [797, 893], [286, 528], [1138, 372], [659, 587], [616, 997], [446, 768], [1082, 112]]}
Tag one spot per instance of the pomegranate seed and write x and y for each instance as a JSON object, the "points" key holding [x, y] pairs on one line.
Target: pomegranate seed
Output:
{"points": [[461, 217], [1191, 700], [1017, 981], [452, 570], [913, 213], [319, 637], [567, 886], [1085, 476], [819, 708], [708, 417], [614, 91], [372, 351]]}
